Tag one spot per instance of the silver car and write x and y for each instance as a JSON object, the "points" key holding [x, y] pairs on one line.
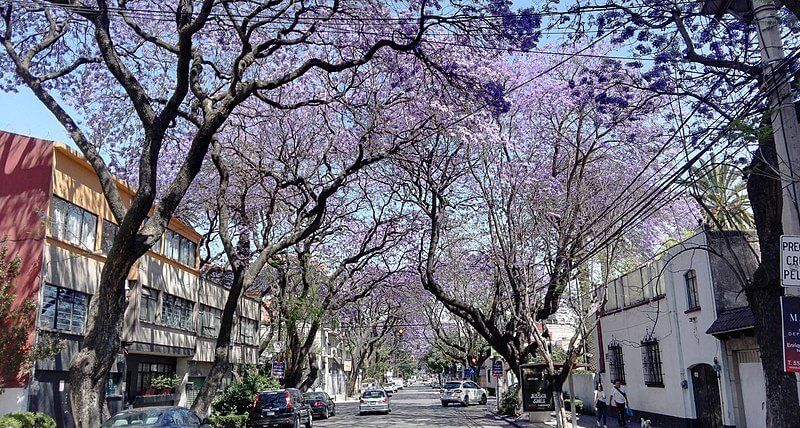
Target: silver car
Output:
{"points": [[374, 401], [462, 392]]}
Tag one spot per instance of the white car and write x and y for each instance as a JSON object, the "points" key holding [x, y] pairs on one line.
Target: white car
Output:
{"points": [[390, 387], [399, 384], [462, 392]]}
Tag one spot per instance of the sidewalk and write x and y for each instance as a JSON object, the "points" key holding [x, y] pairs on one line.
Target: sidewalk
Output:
{"points": [[584, 421]]}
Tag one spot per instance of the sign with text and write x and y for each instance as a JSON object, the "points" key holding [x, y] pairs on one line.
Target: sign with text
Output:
{"points": [[790, 314], [790, 261], [537, 390], [278, 369], [497, 368]]}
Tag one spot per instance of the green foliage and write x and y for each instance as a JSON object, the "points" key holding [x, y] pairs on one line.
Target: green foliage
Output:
{"points": [[238, 398], [229, 421], [509, 403], [722, 194], [16, 323], [27, 420], [578, 405], [165, 381]]}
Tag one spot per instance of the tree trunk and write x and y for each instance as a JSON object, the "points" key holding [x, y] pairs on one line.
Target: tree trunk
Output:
{"points": [[313, 373], [89, 368], [763, 295], [221, 365]]}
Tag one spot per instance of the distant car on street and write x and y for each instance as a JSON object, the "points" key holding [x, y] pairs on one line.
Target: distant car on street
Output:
{"points": [[399, 383], [374, 401], [322, 405], [390, 387], [369, 383], [280, 408], [462, 392], [162, 417]]}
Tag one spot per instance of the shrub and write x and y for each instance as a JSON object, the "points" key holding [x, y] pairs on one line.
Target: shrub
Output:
{"points": [[238, 398], [229, 421], [509, 403], [27, 420]]}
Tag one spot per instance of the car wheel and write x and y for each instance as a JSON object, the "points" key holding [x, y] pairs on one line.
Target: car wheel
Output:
{"points": [[360, 413], [483, 399], [444, 404], [466, 401], [310, 422], [296, 422]]}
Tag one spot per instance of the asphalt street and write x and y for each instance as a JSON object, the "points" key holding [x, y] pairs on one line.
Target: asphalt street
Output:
{"points": [[416, 406]]}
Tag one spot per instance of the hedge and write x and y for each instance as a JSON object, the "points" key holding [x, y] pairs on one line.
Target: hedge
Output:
{"points": [[27, 420], [228, 421]]}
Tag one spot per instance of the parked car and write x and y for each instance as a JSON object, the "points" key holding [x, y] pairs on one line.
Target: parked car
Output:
{"points": [[322, 405], [374, 401], [166, 417], [399, 383], [435, 384], [280, 408], [462, 392]]}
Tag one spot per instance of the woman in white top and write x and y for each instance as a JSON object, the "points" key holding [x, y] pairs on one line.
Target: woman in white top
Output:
{"points": [[600, 404]]}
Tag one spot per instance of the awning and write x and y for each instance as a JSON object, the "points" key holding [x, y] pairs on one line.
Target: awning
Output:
{"points": [[732, 320]]}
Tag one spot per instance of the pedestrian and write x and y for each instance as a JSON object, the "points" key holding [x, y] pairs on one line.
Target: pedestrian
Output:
{"points": [[601, 405], [619, 400]]}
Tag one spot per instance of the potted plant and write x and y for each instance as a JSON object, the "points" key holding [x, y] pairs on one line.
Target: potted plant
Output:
{"points": [[165, 383]]}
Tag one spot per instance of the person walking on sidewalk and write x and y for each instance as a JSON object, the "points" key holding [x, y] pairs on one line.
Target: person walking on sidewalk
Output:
{"points": [[601, 405], [619, 400]]}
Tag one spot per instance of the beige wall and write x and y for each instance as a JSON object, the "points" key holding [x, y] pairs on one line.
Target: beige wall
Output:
{"points": [[65, 268]]}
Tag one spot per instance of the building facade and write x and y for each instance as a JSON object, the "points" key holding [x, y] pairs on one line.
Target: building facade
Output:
{"points": [[57, 221], [679, 335]]}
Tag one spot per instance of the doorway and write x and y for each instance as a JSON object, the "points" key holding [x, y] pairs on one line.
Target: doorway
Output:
{"points": [[706, 396]]}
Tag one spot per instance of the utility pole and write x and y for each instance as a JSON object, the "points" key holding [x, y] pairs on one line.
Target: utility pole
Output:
{"points": [[782, 110], [783, 117]]}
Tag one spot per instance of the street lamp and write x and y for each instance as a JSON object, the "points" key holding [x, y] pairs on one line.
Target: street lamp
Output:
{"points": [[741, 9]]}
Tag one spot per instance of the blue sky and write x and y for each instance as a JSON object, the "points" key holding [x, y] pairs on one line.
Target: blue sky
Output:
{"points": [[22, 113]]}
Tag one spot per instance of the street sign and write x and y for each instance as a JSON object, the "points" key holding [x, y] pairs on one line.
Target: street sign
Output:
{"points": [[790, 261], [278, 369], [790, 314], [497, 368]]}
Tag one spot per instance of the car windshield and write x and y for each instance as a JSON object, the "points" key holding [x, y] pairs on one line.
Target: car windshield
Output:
{"points": [[314, 396], [272, 399], [138, 418], [373, 394], [452, 385]]}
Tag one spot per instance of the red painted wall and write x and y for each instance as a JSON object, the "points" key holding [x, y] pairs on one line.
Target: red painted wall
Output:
{"points": [[26, 168]]}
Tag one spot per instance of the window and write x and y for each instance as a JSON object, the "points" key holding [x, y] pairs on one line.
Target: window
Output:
{"points": [[109, 232], [247, 330], [179, 248], [63, 309], [616, 366], [691, 289], [651, 363], [148, 371], [209, 322], [177, 312], [148, 306], [73, 224]]}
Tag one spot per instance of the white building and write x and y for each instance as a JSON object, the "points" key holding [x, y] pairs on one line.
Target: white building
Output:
{"points": [[330, 359], [680, 336]]}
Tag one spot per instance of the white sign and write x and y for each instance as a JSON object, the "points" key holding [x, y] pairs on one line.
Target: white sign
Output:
{"points": [[790, 261]]}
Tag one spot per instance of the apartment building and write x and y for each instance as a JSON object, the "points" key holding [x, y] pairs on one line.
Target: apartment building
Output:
{"points": [[332, 376], [679, 334], [57, 221]]}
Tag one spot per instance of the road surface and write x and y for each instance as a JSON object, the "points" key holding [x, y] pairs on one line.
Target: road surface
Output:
{"points": [[415, 406]]}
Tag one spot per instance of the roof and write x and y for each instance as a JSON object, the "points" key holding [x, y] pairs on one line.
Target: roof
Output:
{"points": [[732, 320]]}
